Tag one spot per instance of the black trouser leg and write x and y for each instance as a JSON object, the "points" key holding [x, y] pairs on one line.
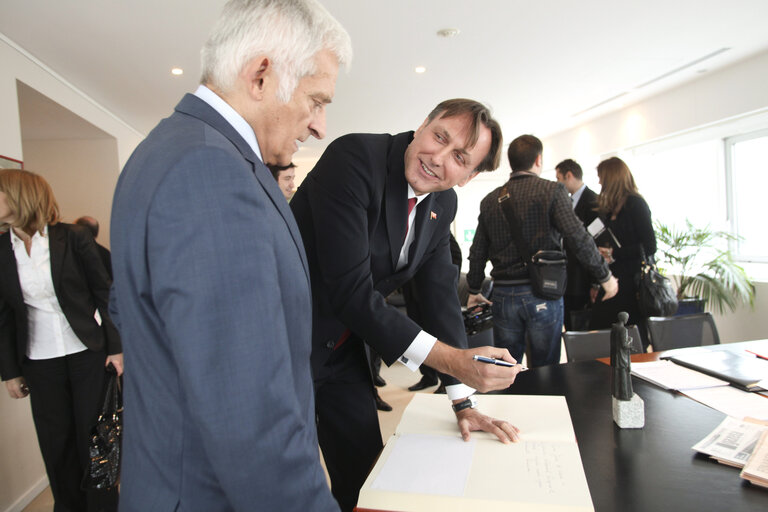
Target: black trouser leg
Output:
{"points": [[348, 424], [66, 394]]}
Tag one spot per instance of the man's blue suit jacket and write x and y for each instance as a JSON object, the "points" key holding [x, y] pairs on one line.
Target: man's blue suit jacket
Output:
{"points": [[212, 299]]}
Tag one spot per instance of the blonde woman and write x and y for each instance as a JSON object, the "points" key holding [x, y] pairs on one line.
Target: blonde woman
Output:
{"points": [[52, 348], [625, 212]]}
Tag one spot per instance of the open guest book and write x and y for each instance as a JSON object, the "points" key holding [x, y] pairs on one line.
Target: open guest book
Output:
{"points": [[426, 466]]}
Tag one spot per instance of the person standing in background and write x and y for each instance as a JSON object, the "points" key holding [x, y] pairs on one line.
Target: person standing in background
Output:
{"points": [[52, 347], [546, 217], [212, 285], [576, 301], [93, 226], [625, 212], [285, 176]]}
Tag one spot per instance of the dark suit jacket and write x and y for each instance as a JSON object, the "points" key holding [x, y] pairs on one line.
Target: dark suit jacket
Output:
{"points": [[213, 301], [81, 284], [579, 280], [352, 210], [106, 258]]}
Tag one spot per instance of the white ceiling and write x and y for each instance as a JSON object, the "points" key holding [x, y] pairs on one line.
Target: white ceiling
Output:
{"points": [[536, 62]]}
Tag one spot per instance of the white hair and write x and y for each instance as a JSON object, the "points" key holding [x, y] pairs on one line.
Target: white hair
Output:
{"points": [[289, 32]]}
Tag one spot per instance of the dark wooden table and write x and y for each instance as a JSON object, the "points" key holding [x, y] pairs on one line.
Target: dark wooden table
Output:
{"points": [[649, 469]]}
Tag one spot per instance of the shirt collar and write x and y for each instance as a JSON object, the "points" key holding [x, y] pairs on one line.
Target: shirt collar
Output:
{"points": [[412, 194], [577, 195], [237, 121], [16, 241]]}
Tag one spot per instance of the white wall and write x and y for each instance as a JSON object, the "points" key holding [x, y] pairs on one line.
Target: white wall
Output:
{"points": [[18, 65], [22, 474], [75, 170], [733, 91]]}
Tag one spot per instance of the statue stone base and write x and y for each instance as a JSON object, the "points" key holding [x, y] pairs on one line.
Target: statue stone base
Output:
{"points": [[629, 413]]}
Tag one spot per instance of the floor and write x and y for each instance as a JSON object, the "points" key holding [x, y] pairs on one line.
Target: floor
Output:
{"points": [[43, 502]]}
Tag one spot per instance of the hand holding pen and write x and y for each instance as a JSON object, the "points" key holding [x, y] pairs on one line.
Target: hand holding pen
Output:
{"points": [[497, 362]]}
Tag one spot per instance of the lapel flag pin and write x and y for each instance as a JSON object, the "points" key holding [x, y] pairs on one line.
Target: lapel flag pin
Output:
{"points": [[433, 215]]}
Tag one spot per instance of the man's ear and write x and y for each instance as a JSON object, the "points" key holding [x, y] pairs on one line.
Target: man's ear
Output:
{"points": [[468, 178], [256, 72], [540, 160]]}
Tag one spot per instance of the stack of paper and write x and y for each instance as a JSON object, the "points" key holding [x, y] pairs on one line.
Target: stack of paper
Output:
{"points": [[731, 401], [756, 468], [732, 442], [669, 375], [426, 466]]}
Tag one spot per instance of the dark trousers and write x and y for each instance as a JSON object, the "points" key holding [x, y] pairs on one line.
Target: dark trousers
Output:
{"points": [[66, 395], [347, 421]]}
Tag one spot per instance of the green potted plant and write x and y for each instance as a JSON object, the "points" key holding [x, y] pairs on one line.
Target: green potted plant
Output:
{"points": [[703, 267]]}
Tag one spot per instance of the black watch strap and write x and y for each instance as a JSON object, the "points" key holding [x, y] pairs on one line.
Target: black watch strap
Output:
{"points": [[469, 403]]}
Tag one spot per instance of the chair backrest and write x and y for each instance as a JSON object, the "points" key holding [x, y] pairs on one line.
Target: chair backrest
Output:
{"points": [[667, 333], [583, 345]]}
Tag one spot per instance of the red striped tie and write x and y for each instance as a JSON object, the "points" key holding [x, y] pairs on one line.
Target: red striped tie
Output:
{"points": [[411, 204]]}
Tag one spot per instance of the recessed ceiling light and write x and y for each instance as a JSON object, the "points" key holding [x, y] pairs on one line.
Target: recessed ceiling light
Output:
{"points": [[177, 71], [448, 32], [420, 69]]}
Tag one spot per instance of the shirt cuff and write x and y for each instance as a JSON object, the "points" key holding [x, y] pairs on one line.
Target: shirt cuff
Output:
{"points": [[457, 391], [418, 350]]}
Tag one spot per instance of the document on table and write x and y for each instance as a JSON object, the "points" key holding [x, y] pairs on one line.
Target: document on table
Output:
{"points": [[427, 466], [731, 401], [756, 468], [732, 441], [669, 375]]}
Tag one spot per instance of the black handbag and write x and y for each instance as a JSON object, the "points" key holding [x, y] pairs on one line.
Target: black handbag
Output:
{"points": [[547, 269], [655, 294], [103, 469]]}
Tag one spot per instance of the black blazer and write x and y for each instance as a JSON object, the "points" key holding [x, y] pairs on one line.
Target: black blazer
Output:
{"points": [[579, 280], [352, 211], [82, 286]]}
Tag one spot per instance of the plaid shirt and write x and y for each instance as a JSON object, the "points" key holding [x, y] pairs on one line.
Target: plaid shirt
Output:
{"points": [[546, 212]]}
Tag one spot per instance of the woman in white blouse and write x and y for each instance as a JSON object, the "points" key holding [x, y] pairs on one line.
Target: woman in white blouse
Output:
{"points": [[56, 336]]}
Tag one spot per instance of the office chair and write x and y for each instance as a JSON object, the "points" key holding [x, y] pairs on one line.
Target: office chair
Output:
{"points": [[667, 333], [585, 345]]}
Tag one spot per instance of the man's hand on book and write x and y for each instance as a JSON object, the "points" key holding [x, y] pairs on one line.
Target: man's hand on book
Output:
{"points": [[470, 420]]}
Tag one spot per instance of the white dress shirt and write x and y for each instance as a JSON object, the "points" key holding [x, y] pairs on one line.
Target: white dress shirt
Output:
{"points": [[422, 344], [577, 195], [50, 334], [237, 121]]}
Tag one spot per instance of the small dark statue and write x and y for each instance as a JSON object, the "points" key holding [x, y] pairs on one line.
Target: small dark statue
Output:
{"points": [[621, 342]]}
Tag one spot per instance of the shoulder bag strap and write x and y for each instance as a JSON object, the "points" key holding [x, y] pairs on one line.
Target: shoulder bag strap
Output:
{"points": [[514, 224]]}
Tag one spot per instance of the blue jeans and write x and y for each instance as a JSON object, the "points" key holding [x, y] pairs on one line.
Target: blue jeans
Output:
{"points": [[517, 313]]}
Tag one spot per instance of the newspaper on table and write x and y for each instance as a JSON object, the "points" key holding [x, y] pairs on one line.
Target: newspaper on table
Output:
{"points": [[732, 442], [756, 468]]}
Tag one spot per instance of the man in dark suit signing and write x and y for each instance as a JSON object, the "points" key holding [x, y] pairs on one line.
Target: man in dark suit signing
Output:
{"points": [[374, 213], [211, 284], [576, 298]]}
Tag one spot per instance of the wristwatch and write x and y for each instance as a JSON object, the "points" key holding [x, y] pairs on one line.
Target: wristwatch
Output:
{"points": [[469, 403]]}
